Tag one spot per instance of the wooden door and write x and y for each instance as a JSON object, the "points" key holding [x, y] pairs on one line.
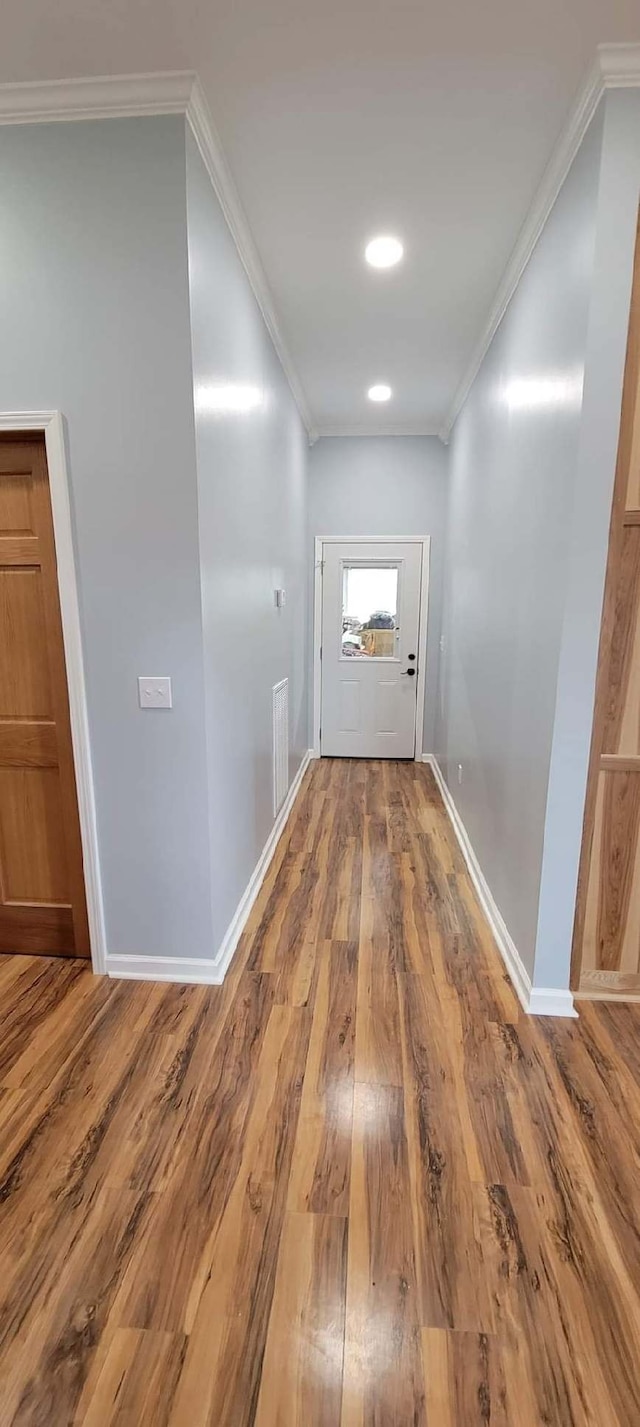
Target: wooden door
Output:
{"points": [[42, 896], [606, 950]]}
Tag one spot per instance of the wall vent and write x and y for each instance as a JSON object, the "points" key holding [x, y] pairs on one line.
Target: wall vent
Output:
{"points": [[280, 744]]}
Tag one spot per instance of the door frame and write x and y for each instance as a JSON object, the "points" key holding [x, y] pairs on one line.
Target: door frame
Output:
{"points": [[51, 425], [424, 541]]}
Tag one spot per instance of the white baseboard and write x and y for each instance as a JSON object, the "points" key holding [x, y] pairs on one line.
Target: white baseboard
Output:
{"points": [[546, 1001], [536, 1000], [197, 971], [211, 970]]}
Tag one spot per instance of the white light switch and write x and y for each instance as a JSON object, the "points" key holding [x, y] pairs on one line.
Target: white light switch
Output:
{"points": [[154, 691], [280, 598]]}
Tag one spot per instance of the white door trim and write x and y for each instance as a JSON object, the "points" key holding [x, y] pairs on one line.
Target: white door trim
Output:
{"points": [[51, 423], [319, 542]]}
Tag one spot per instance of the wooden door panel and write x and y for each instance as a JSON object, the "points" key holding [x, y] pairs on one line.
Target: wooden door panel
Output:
{"points": [[17, 550], [42, 896], [16, 516], [621, 725], [633, 485], [32, 853], [27, 744], [612, 919], [25, 683], [37, 930]]}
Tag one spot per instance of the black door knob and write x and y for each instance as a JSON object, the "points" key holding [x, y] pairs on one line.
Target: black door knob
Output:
{"points": [[410, 672]]}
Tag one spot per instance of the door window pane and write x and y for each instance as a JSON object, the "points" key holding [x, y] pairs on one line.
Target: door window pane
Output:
{"points": [[369, 611]]}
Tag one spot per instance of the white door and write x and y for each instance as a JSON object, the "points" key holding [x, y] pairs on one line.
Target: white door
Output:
{"points": [[370, 624]]}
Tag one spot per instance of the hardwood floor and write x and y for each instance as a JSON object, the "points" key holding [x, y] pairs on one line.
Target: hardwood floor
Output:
{"points": [[353, 1187]]}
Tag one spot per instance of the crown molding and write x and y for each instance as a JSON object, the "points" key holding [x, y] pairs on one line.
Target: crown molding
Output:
{"points": [[616, 66], [619, 65], [176, 92], [208, 141], [363, 429], [99, 97]]}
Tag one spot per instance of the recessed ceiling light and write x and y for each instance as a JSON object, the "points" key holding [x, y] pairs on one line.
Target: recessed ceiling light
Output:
{"points": [[384, 251], [381, 392]]}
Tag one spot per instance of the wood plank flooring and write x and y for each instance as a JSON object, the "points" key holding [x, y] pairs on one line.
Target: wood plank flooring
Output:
{"points": [[353, 1187]]}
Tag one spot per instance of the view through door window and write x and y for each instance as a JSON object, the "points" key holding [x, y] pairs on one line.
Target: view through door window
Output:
{"points": [[369, 611]]}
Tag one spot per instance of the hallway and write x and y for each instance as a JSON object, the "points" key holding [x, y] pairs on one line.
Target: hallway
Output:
{"points": [[354, 1185]]}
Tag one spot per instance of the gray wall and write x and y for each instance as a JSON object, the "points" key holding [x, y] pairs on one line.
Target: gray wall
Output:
{"points": [[385, 486], [94, 314], [606, 347], [513, 465], [121, 290], [531, 471], [252, 515]]}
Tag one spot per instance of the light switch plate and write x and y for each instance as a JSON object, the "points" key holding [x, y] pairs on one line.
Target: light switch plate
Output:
{"points": [[154, 691]]}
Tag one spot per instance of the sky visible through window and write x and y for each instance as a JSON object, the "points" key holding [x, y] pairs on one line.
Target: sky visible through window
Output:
{"points": [[366, 590]]}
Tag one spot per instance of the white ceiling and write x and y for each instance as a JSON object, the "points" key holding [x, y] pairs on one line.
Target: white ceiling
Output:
{"points": [[343, 118]]}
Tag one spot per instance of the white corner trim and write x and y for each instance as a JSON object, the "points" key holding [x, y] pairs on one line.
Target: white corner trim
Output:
{"points": [[211, 971], [537, 1001], [615, 67], [316, 654], [50, 422], [177, 92], [423, 625]]}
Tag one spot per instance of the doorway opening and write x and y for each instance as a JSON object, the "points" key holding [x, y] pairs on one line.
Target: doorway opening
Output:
{"points": [[50, 902], [370, 635]]}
